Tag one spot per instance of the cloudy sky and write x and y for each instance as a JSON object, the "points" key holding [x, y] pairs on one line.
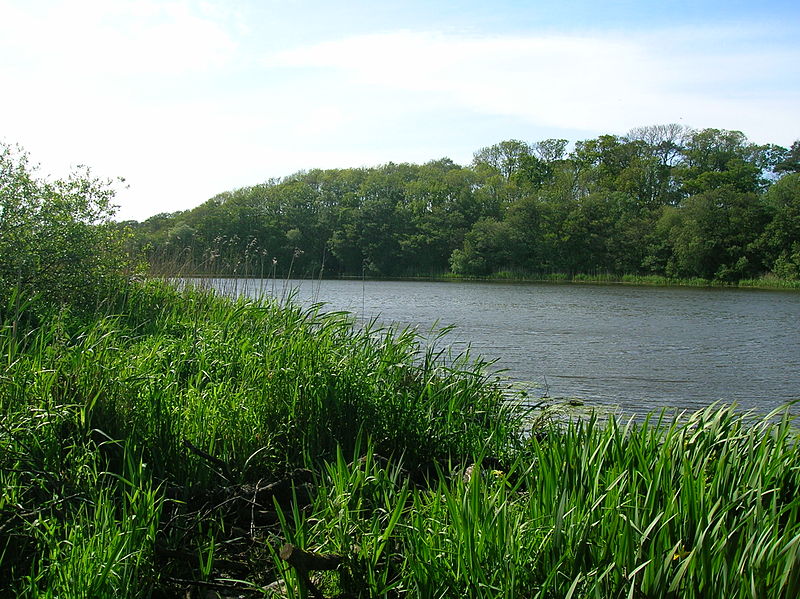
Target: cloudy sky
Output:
{"points": [[188, 99]]}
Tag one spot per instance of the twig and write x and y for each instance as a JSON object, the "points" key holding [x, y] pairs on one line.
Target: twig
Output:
{"points": [[226, 471]]}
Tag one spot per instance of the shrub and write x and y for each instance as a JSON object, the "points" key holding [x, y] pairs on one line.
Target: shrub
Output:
{"points": [[57, 241]]}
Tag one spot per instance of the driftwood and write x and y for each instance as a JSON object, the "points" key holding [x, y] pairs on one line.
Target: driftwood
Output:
{"points": [[305, 561]]}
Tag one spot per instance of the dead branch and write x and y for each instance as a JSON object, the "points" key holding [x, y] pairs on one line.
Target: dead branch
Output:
{"points": [[221, 464], [305, 561]]}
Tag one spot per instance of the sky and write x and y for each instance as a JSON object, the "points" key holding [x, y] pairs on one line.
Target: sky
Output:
{"points": [[188, 99]]}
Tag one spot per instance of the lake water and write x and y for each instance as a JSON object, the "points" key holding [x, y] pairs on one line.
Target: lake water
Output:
{"points": [[634, 348]]}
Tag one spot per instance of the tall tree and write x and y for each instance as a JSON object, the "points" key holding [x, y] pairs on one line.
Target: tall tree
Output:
{"points": [[790, 161], [781, 237], [714, 158], [715, 234], [504, 158]]}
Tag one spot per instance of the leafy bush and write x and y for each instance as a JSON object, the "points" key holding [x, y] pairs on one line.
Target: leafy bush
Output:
{"points": [[57, 242]]}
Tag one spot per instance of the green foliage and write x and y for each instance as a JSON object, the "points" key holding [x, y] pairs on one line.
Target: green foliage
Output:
{"points": [[641, 204], [56, 240], [669, 507], [781, 237], [105, 547], [789, 162], [715, 235], [95, 411], [486, 247]]}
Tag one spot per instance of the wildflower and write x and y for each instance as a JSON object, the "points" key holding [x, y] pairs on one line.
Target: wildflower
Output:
{"points": [[681, 554]]}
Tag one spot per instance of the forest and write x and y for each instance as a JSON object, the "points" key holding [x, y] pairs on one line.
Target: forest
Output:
{"points": [[663, 200]]}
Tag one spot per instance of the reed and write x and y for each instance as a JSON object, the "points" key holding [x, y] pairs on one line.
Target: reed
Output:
{"points": [[765, 282], [696, 506], [136, 443], [258, 385]]}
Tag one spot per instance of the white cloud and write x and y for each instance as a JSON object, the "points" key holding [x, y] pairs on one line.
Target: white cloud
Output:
{"points": [[607, 83], [113, 37], [321, 120]]}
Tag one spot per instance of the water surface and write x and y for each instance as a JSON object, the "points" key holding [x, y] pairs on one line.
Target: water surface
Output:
{"points": [[638, 348]]}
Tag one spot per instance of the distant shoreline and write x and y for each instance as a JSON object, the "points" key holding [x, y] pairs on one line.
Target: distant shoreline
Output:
{"points": [[768, 284]]}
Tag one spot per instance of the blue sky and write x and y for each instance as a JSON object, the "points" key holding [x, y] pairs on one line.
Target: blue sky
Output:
{"points": [[189, 99]]}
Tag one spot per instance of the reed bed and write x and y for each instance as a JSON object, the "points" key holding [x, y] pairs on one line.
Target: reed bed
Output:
{"points": [[176, 439], [254, 389], [704, 505]]}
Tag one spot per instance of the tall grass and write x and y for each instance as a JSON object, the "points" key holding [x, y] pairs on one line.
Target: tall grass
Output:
{"points": [[262, 388], [705, 506], [135, 446], [770, 283], [766, 282]]}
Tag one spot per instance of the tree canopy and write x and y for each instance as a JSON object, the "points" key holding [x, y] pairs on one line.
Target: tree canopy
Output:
{"points": [[665, 199]]}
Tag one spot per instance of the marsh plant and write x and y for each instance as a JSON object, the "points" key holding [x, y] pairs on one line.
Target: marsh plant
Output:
{"points": [[262, 387], [702, 505], [100, 491]]}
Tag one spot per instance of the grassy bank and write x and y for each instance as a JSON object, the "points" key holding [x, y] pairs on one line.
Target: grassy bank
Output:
{"points": [[173, 441], [169, 405], [764, 283]]}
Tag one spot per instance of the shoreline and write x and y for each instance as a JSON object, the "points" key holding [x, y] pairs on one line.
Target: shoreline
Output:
{"points": [[558, 279]]}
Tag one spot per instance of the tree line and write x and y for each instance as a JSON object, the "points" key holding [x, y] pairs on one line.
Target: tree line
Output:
{"points": [[662, 200]]}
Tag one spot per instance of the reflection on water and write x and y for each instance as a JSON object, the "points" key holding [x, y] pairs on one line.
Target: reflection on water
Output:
{"points": [[641, 348]]}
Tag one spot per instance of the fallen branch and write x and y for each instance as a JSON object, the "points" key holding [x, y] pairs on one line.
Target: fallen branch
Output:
{"points": [[305, 561], [221, 464]]}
